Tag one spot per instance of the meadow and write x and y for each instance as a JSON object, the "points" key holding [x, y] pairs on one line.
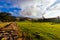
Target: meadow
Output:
{"points": [[40, 30]]}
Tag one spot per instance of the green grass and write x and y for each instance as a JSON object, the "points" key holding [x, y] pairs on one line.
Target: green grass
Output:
{"points": [[41, 30]]}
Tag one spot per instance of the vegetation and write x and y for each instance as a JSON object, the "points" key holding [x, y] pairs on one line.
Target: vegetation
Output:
{"points": [[4, 24], [35, 29], [40, 30], [5, 17]]}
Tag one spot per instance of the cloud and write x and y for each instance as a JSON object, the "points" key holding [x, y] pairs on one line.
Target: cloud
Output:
{"points": [[9, 7], [53, 12], [30, 8], [39, 7]]}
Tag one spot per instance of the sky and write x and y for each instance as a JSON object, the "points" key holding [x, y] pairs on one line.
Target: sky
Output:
{"points": [[31, 8], [10, 6]]}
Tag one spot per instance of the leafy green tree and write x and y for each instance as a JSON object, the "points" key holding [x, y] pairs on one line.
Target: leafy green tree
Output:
{"points": [[6, 17]]}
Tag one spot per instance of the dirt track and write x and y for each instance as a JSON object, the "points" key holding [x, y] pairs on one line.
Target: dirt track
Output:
{"points": [[10, 32]]}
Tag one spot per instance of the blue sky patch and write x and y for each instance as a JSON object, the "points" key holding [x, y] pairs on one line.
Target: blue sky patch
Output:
{"points": [[8, 7]]}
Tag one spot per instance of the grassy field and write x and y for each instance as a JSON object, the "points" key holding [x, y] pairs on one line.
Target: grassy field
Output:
{"points": [[41, 30]]}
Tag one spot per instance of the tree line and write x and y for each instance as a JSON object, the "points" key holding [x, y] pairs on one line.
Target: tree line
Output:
{"points": [[7, 17]]}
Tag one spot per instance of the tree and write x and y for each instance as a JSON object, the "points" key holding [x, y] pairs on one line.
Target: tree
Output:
{"points": [[4, 16]]}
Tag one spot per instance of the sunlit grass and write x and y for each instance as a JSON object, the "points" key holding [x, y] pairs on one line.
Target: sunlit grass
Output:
{"points": [[46, 30], [3, 24]]}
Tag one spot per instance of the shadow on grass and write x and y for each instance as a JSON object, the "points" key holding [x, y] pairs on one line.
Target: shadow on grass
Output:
{"points": [[48, 36]]}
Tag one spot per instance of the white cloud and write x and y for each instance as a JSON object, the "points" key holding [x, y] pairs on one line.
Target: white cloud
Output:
{"points": [[39, 7], [55, 7], [53, 12]]}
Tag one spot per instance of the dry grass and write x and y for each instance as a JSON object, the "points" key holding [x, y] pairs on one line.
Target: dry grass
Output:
{"points": [[3, 24]]}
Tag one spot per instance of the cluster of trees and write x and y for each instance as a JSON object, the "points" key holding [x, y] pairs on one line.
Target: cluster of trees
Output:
{"points": [[5, 17]]}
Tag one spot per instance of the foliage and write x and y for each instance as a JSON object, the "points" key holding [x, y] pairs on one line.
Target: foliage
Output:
{"points": [[4, 17]]}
